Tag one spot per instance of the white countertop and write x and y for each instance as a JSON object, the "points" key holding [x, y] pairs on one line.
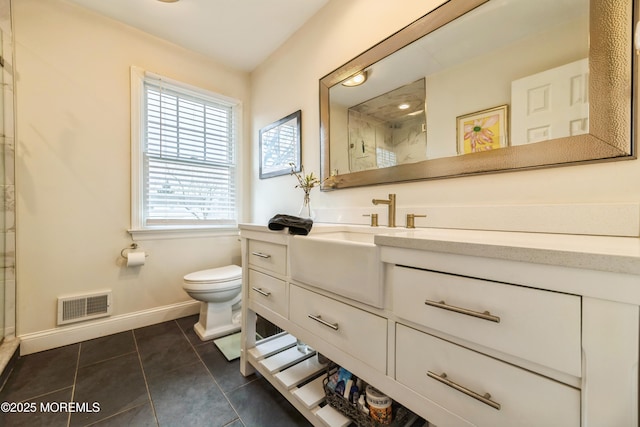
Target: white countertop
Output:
{"points": [[612, 254]]}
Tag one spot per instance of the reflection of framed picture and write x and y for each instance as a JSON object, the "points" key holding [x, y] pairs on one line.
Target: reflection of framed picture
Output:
{"points": [[280, 146], [483, 130]]}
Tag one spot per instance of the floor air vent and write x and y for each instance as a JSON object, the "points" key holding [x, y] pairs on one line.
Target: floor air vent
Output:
{"points": [[83, 307]]}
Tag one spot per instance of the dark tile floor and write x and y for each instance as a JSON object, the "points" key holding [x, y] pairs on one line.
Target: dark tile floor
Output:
{"points": [[160, 375]]}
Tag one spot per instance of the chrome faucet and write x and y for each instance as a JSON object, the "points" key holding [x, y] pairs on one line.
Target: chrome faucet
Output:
{"points": [[392, 208]]}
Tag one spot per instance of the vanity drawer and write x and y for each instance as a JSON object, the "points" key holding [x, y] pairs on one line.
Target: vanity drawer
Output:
{"points": [[522, 397], [267, 255], [540, 326], [354, 331], [268, 292]]}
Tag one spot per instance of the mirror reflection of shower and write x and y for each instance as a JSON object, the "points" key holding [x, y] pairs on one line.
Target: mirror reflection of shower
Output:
{"points": [[389, 129]]}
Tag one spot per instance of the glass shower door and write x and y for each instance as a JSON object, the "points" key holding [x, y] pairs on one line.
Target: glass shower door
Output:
{"points": [[6, 203]]}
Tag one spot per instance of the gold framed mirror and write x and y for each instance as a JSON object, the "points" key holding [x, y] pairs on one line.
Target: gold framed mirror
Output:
{"points": [[475, 57]]}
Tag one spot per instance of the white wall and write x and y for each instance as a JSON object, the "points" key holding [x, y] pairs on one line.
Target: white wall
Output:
{"points": [[73, 162], [288, 81]]}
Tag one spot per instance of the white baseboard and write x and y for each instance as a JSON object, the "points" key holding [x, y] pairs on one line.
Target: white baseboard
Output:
{"points": [[58, 337]]}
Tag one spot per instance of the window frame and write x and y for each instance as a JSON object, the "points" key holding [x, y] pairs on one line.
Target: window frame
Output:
{"points": [[138, 229]]}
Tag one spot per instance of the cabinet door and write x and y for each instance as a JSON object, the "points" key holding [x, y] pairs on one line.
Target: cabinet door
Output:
{"points": [[541, 326], [481, 389], [354, 331], [268, 292], [269, 256]]}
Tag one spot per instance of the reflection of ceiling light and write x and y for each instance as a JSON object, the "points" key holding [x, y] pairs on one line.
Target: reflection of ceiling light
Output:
{"points": [[403, 106], [415, 113], [168, 1], [356, 79]]}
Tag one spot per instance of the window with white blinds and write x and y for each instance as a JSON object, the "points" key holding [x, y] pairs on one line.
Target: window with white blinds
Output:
{"points": [[187, 159]]}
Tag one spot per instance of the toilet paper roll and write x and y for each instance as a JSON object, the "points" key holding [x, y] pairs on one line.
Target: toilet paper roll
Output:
{"points": [[135, 259]]}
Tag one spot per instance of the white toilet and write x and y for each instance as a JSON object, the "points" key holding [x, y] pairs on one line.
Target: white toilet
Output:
{"points": [[219, 289]]}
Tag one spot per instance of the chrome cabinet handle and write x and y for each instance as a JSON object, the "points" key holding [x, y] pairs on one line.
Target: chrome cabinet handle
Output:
{"points": [[485, 315], [319, 319], [484, 398], [261, 255], [261, 292]]}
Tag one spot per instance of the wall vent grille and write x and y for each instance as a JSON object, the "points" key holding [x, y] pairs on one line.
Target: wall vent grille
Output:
{"points": [[83, 307]]}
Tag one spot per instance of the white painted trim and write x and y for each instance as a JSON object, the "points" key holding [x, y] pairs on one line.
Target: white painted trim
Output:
{"points": [[58, 337], [137, 103], [181, 233]]}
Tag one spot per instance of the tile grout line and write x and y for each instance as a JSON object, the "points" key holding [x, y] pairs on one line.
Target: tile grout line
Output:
{"points": [[107, 359], [27, 399], [144, 376], [75, 378], [136, 351], [114, 415], [210, 374]]}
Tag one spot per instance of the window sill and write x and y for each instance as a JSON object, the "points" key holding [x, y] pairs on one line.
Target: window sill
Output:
{"points": [[182, 233]]}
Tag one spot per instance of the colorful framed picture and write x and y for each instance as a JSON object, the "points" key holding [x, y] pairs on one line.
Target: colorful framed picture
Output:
{"points": [[280, 146], [483, 130]]}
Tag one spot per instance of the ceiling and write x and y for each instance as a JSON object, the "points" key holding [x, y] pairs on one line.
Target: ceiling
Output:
{"points": [[237, 33]]}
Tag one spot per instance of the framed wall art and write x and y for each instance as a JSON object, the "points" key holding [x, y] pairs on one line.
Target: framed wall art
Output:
{"points": [[483, 130], [280, 146]]}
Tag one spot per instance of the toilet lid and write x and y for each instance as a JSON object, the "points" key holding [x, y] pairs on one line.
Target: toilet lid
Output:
{"points": [[215, 275]]}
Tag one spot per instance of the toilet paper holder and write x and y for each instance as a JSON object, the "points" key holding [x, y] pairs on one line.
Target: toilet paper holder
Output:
{"points": [[131, 247]]}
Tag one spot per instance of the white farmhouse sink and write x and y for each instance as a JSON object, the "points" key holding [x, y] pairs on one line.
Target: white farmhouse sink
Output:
{"points": [[346, 236], [346, 263]]}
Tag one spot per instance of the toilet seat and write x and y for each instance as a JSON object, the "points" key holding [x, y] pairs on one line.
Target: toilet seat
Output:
{"points": [[221, 278]]}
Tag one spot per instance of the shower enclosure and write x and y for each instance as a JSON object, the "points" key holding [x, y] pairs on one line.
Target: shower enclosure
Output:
{"points": [[7, 185]]}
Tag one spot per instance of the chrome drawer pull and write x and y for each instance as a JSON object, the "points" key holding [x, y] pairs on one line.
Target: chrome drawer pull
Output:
{"points": [[261, 255], [261, 292], [319, 319], [486, 398], [486, 315]]}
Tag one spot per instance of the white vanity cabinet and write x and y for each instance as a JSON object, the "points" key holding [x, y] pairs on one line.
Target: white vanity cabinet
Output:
{"points": [[552, 341], [470, 333]]}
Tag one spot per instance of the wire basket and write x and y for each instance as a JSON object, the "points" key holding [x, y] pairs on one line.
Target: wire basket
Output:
{"points": [[401, 416]]}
